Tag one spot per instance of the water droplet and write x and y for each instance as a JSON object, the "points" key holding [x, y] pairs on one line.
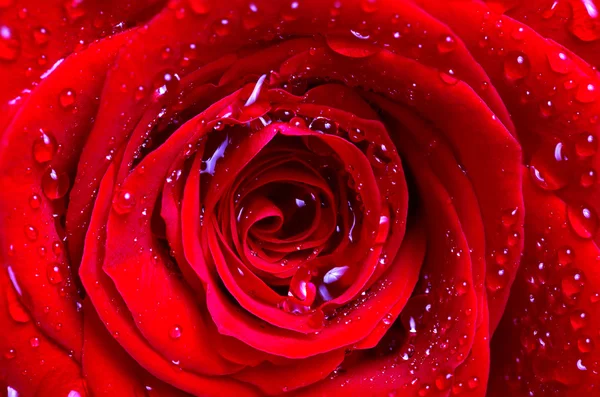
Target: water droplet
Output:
{"points": [[585, 344], [290, 12], [166, 82], [424, 390], [510, 217], [34, 342], [559, 62], [74, 9], [378, 155], [356, 135], [200, 7], [516, 65], [586, 144], [175, 332], [369, 6], [444, 381], [584, 23], [298, 122], [10, 45], [54, 272], [550, 167], [583, 220], [31, 232], [565, 256], [41, 35], [10, 354], [54, 184], [123, 202], [579, 319], [251, 18], [44, 148], [588, 178], [388, 319], [586, 93], [448, 77], [473, 383], [546, 109], [518, 33], [446, 44], [222, 27], [496, 279], [324, 125], [67, 98], [35, 201], [572, 283]]}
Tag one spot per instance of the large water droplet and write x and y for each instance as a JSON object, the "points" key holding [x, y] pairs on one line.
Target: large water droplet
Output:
{"points": [[35, 201], [444, 381], [222, 27], [55, 184], [586, 93], [572, 283], [324, 125], [123, 202], [516, 65], [369, 6], [44, 148], [588, 178], [166, 82], [10, 44], [585, 344], [175, 332], [200, 7], [586, 144], [55, 273], [67, 98], [579, 319], [583, 220], [31, 232], [584, 23], [559, 61], [446, 44], [449, 77], [550, 167], [496, 279], [41, 35]]}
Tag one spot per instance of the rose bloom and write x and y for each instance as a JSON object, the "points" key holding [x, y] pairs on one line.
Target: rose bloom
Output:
{"points": [[299, 197]]}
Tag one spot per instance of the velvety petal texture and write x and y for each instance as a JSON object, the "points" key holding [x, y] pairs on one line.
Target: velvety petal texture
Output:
{"points": [[307, 198]]}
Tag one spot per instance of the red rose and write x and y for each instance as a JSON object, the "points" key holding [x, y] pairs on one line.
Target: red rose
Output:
{"points": [[258, 197]]}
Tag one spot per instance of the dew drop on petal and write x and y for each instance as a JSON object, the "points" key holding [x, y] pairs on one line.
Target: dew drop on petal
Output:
{"points": [[54, 272], [449, 77], [516, 65], [579, 319], [559, 61], [369, 6], [35, 201], [10, 44], [123, 202], [31, 232], [583, 220], [588, 178], [175, 332], [44, 148], [496, 279], [41, 35], [446, 44], [586, 144], [66, 98], [200, 7], [55, 184]]}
